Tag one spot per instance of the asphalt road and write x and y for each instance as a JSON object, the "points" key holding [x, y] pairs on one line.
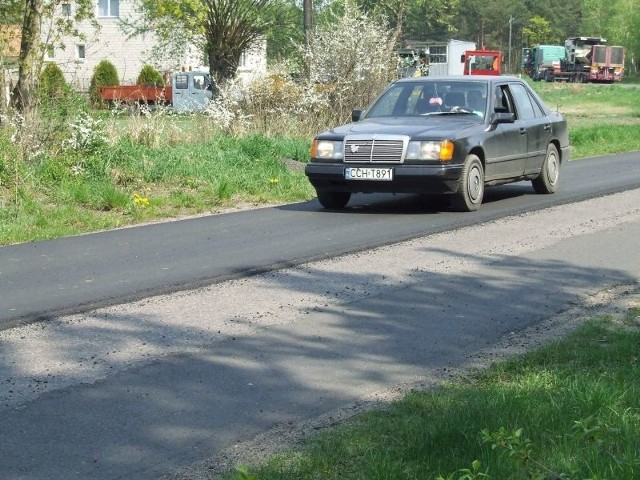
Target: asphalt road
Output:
{"points": [[155, 387], [44, 279]]}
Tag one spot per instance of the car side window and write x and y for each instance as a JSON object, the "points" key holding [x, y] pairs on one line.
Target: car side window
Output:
{"points": [[199, 82], [502, 102], [539, 112], [522, 100]]}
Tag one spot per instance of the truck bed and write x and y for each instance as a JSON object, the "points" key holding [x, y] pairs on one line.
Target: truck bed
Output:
{"points": [[136, 94]]}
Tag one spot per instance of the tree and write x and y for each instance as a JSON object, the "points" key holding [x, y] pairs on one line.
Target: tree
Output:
{"points": [[285, 33], [31, 33], [32, 46], [418, 19], [12, 12], [537, 31], [223, 29]]}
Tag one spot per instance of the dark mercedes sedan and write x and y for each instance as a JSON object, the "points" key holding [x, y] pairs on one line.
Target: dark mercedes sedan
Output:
{"points": [[442, 135]]}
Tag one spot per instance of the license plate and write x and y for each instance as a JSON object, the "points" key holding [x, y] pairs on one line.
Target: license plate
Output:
{"points": [[358, 173]]}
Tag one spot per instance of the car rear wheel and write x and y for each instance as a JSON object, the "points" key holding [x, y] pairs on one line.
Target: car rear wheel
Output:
{"points": [[547, 181], [329, 199], [468, 198]]}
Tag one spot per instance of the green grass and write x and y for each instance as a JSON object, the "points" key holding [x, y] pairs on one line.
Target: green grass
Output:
{"points": [[127, 183], [569, 410], [602, 119], [160, 166]]}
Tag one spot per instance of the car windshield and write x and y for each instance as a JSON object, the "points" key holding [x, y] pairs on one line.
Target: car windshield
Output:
{"points": [[432, 98]]}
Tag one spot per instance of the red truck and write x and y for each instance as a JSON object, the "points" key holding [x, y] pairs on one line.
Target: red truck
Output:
{"points": [[482, 62], [189, 91]]}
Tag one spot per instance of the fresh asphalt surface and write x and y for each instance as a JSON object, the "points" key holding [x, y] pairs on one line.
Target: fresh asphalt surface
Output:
{"points": [[147, 418], [49, 278]]}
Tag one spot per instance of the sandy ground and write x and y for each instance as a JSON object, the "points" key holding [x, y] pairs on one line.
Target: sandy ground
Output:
{"points": [[58, 354]]}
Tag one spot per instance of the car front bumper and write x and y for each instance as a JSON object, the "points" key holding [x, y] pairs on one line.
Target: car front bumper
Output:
{"points": [[425, 179]]}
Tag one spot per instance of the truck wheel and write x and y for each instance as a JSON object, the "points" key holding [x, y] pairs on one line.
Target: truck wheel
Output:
{"points": [[548, 76], [468, 198], [547, 181], [329, 199]]}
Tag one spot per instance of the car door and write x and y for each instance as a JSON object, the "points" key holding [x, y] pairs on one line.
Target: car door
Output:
{"points": [[180, 93], [506, 147], [537, 126]]}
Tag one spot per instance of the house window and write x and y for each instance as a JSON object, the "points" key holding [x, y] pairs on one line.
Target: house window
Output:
{"points": [[66, 9], [108, 8], [81, 52], [244, 60], [50, 54], [438, 54]]}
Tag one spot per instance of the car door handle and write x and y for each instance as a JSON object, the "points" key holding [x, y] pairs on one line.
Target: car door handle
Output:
{"points": [[547, 127], [523, 131]]}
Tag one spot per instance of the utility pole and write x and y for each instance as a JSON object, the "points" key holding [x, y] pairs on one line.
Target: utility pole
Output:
{"points": [[510, 22], [307, 15]]}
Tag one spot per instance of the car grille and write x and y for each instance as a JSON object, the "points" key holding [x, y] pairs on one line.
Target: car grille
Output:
{"points": [[379, 149]]}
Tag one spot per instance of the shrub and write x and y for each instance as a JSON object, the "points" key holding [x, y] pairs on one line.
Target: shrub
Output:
{"points": [[150, 76], [52, 85], [277, 105], [104, 74]]}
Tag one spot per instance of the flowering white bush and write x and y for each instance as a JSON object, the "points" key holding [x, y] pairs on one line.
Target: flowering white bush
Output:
{"points": [[85, 133], [225, 109], [278, 94], [22, 136], [352, 57]]}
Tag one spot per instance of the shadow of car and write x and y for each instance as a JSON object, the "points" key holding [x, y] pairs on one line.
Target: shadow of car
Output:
{"points": [[442, 135]]}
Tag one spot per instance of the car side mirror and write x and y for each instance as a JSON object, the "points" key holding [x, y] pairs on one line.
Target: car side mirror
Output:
{"points": [[355, 115], [502, 117]]}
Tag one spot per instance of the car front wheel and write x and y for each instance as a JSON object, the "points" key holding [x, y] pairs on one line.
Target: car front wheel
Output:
{"points": [[547, 181], [329, 199], [468, 198]]}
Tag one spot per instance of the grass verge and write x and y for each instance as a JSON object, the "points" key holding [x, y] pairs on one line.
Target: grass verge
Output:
{"points": [[126, 183], [570, 410]]}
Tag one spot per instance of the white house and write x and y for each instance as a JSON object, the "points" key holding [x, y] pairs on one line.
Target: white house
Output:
{"points": [[78, 58]]}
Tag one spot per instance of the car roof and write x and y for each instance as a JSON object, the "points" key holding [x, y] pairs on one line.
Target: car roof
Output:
{"points": [[489, 79]]}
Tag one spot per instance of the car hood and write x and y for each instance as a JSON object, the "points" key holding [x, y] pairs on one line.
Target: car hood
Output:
{"points": [[432, 126]]}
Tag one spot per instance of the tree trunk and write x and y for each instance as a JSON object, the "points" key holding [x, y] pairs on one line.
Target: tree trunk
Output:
{"points": [[3, 87], [27, 62], [221, 66]]}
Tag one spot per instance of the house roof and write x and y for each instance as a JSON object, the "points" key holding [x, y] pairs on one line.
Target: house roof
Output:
{"points": [[10, 36]]}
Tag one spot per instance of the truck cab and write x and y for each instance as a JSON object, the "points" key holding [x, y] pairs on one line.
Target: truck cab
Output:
{"points": [[191, 90], [482, 62], [542, 61]]}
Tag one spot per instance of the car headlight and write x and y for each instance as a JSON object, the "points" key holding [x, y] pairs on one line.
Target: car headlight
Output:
{"points": [[442, 151], [327, 150]]}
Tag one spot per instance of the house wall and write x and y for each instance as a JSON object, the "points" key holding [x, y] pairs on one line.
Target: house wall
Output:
{"points": [[128, 55], [253, 62], [109, 42]]}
